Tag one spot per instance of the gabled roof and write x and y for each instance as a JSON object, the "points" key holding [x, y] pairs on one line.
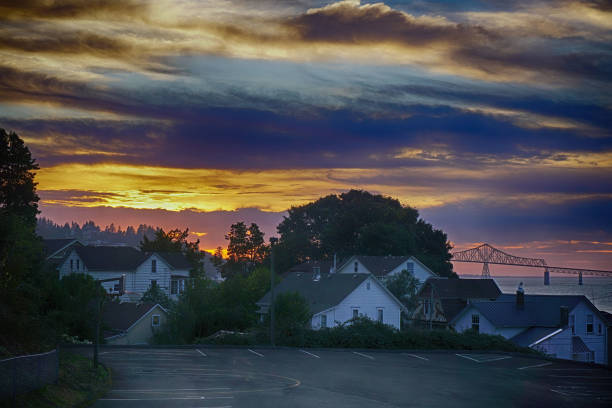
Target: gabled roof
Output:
{"points": [[110, 258], [321, 295], [53, 246], [534, 335], [538, 310], [452, 307], [175, 259], [578, 345], [452, 288], [121, 316], [324, 267]]}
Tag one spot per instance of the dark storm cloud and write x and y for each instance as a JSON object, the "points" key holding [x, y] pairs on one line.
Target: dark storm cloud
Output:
{"points": [[66, 9], [67, 43], [349, 23]]}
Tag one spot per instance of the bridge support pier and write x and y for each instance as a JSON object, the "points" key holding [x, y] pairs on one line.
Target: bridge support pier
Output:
{"points": [[580, 278], [546, 277]]}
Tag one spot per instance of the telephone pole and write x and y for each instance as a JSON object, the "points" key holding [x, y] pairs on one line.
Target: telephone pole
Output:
{"points": [[273, 241]]}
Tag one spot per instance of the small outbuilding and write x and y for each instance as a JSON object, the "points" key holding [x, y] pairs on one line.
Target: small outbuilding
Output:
{"points": [[132, 323]]}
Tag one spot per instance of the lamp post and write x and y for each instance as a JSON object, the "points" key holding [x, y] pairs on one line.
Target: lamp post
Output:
{"points": [[273, 241]]}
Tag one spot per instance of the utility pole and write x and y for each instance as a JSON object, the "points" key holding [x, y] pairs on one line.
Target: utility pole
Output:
{"points": [[273, 241], [97, 338], [431, 305]]}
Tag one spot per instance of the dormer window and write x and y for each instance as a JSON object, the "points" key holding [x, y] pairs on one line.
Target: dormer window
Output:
{"points": [[71, 264], [78, 264], [356, 266], [410, 267], [153, 266]]}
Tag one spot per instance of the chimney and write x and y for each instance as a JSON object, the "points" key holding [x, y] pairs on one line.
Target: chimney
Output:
{"points": [[563, 316], [520, 299]]}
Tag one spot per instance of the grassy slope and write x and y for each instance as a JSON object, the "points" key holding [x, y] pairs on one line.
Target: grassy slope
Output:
{"points": [[78, 386]]}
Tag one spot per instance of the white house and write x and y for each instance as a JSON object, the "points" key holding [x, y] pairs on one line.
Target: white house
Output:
{"points": [[562, 326], [336, 298], [384, 266], [132, 323], [167, 270]]}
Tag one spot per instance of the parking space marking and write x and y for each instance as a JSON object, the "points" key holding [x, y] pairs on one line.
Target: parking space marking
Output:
{"points": [[415, 356], [495, 359], [310, 354], [201, 352], [363, 355], [256, 353], [535, 366], [163, 399], [581, 376], [468, 357]]}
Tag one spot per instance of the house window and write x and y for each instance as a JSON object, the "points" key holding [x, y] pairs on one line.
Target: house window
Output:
{"points": [[355, 313], [153, 266], [599, 332], [153, 283], [589, 324], [173, 287], [410, 267], [573, 324], [426, 306], [380, 315], [155, 320], [476, 323], [323, 321], [356, 266], [181, 285], [71, 264], [78, 264], [368, 285]]}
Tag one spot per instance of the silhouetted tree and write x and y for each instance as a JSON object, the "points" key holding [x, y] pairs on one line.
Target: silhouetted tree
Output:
{"points": [[360, 223], [176, 241]]}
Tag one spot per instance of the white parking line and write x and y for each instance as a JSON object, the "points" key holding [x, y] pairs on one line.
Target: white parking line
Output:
{"points": [[581, 376], [468, 357], [415, 356], [201, 352], [310, 354], [162, 399], [559, 392], [363, 355], [535, 366], [495, 359], [256, 353]]}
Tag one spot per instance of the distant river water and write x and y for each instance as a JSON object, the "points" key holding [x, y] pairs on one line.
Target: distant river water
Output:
{"points": [[597, 289]]}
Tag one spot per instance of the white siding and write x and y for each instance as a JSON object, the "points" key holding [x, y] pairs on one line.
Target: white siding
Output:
{"points": [[558, 346], [349, 267], [421, 272], [594, 341], [367, 301]]}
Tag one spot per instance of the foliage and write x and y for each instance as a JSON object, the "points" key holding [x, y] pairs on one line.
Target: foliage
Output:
{"points": [[404, 287], [176, 241], [246, 249], [207, 307], [358, 222], [218, 257], [156, 295], [79, 385], [17, 187], [292, 317]]}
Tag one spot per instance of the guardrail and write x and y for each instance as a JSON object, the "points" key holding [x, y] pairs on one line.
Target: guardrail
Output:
{"points": [[27, 373]]}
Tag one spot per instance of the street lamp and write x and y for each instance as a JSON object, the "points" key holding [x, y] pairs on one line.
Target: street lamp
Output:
{"points": [[273, 242]]}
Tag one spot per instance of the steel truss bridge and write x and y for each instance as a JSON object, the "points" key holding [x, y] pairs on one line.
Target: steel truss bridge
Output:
{"points": [[486, 254]]}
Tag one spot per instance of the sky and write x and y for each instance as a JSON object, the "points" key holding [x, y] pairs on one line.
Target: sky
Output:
{"points": [[492, 118]]}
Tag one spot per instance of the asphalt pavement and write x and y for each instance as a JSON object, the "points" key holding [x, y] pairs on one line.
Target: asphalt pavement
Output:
{"points": [[259, 377]]}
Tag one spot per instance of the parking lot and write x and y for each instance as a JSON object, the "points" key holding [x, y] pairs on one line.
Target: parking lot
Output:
{"points": [[242, 377]]}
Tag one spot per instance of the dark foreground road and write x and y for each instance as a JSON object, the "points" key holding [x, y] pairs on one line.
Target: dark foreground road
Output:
{"points": [[214, 377]]}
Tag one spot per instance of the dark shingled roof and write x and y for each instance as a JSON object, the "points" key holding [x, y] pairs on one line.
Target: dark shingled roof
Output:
{"points": [[607, 316], [321, 295], [381, 265], [119, 317], [324, 267], [446, 288], [539, 310], [51, 246], [110, 258], [578, 345], [452, 307], [530, 336], [175, 259]]}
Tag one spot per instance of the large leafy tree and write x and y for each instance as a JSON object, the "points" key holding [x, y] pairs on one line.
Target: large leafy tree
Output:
{"points": [[245, 250], [358, 222]]}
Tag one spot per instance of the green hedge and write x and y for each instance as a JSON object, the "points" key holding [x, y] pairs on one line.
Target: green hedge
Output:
{"points": [[365, 333]]}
